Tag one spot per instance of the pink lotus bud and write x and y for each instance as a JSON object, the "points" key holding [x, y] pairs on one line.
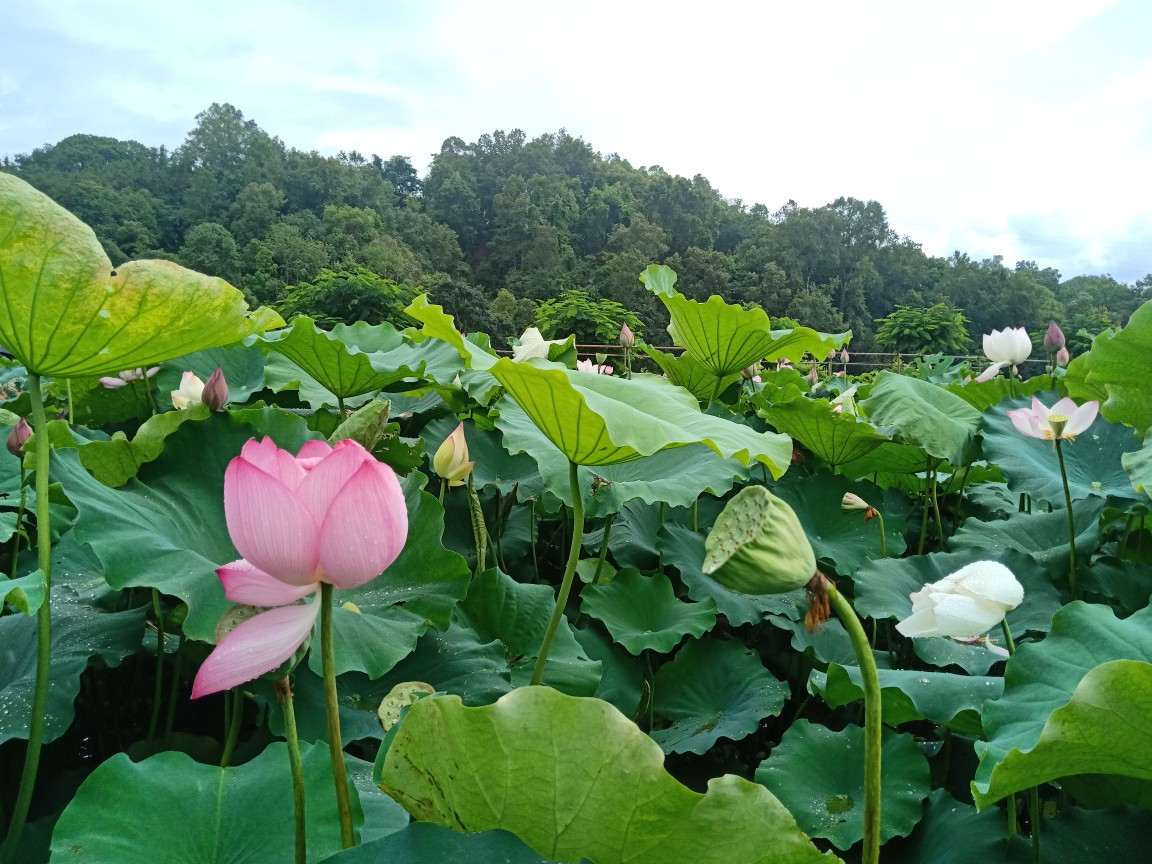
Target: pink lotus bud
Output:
{"points": [[813, 377], [844, 356], [627, 337], [1062, 356], [215, 394], [1054, 338], [18, 437]]}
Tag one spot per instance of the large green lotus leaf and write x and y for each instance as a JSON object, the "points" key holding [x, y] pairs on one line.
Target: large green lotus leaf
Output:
{"points": [[845, 539], [341, 369], [883, 590], [1106, 728], [939, 422], [1138, 466], [1043, 536], [676, 477], [601, 420], [953, 701], [683, 549], [819, 776], [165, 528], [497, 607], [835, 438], [1037, 728], [1117, 364], [955, 833], [242, 367], [687, 372], [892, 460], [726, 338], [633, 537], [82, 627], [575, 778], [424, 843], [117, 460], [1092, 461], [983, 395], [642, 612], [67, 312], [712, 689], [169, 807], [621, 682]]}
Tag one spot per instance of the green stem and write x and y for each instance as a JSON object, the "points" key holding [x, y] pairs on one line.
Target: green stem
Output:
{"points": [[883, 535], [173, 690], [479, 529], [68, 388], [284, 688], [695, 515], [235, 721], [1071, 524], [532, 542], [936, 511], [20, 520], [443, 489], [43, 628], [1009, 643], [340, 408], [569, 572], [335, 745], [1034, 818], [872, 723], [644, 715], [923, 524], [715, 391], [603, 547], [158, 686]]}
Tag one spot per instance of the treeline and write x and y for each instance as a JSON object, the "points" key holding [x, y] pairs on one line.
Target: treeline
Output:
{"points": [[499, 226]]}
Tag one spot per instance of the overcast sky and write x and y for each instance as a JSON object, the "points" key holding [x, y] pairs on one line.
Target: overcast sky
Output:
{"points": [[1020, 128]]}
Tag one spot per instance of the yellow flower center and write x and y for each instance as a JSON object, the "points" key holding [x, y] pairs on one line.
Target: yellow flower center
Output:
{"points": [[1057, 422]]}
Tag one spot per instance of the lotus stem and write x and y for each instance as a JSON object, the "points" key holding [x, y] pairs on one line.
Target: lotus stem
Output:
{"points": [[157, 689], [604, 547], [569, 572], [883, 535], [335, 745], [1071, 524], [173, 690], [284, 691], [20, 520], [1034, 792], [936, 509], [872, 722], [235, 717], [43, 627]]}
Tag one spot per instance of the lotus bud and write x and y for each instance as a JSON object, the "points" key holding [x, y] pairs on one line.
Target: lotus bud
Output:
{"points": [[18, 437], [1063, 357], [852, 503], [451, 459], [1054, 338], [215, 394], [813, 377], [757, 545], [844, 356], [627, 337]]}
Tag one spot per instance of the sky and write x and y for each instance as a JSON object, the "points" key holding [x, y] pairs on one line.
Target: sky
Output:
{"points": [[1020, 128]]}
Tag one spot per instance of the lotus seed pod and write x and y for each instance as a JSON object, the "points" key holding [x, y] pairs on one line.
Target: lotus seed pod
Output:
{"points": [[758, 546]]}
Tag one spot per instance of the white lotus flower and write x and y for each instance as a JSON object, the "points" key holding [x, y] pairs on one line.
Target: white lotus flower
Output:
{"points": [[533, 344], [971, 601], [190, 393], [1005, 348]]}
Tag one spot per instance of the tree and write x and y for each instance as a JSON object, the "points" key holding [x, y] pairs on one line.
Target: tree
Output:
{"points": [[399, 173], [343, 297], [255, 211], [936, 329], [210, 248], [813, 308], [593, 322]]}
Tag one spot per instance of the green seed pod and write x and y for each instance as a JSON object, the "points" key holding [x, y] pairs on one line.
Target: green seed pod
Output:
{"points": [[757, 545]]}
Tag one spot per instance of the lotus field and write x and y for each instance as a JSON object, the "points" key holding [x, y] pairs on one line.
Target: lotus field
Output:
{"points": [[280, 594]]}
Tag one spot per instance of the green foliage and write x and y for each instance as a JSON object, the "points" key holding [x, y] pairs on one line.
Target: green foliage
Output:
{"points": [[917, 330], [345, 298], [592, 322]]}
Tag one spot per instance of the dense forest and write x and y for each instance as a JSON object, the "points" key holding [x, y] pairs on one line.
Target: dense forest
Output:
{"points": [[506, 232]]}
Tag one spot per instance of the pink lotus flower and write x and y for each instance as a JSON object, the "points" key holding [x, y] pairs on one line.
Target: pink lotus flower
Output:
{"points": [[123, 379], [330, 514], [1065, 420]]}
